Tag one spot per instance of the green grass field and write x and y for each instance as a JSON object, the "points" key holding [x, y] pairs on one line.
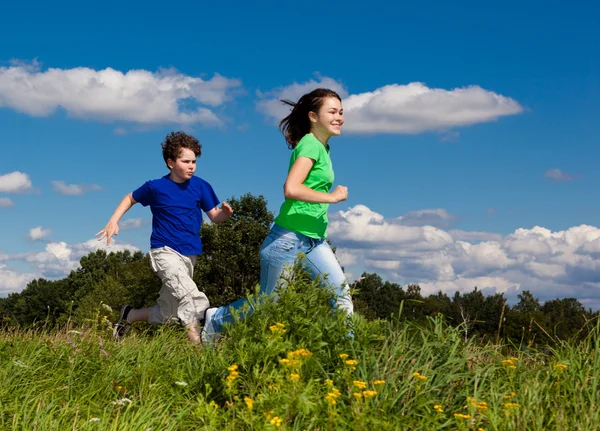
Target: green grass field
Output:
{"points": [[292, 365]]}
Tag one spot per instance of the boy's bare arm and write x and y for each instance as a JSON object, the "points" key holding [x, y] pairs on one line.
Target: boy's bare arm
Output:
{"points": [[219, 215], [112, 227]]}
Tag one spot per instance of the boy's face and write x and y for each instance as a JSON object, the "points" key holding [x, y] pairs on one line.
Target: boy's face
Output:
{"points": [[184, 167]]}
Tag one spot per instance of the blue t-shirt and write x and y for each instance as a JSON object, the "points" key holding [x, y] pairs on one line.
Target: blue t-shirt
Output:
{"points": [[177, 211]]}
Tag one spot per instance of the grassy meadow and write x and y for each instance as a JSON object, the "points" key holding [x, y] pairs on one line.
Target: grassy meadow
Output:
{"points": [[292, 365]]}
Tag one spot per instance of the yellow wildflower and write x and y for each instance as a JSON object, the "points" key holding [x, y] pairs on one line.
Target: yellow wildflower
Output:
{"points": [[272, 387], [284, 361], [344, 356], [234, 367], [278, 328], [213, 404], [418, 376], [561, 367], [510, 405], [277, 421], [357, 395], [329, 382], [269, 414], [249, 402], [360, 384], [438, 408], [302, 353], [480, 429], [294, 377], [369, 394], [229, 404], [332, 396], [512, 367], [379, 382], [461, 416]]}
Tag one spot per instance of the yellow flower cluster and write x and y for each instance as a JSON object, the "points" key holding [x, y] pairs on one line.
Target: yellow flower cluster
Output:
{"points": [[292, 360], [343, 356], [510, 363], [294, 377], [249, 402], [360, 384], [509, 396], [300, 353], [332, 396], [213, 404], [438, 408], [276, 420], [461, 416], [379, 382], [277, 329], [329, 382], [561, 367], [480, 405], [369, 394], [418, 376], [510, 405], [233, 374]]}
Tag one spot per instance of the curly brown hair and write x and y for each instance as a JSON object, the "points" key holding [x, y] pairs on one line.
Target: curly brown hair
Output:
{"points": [[297, 124], [175, 141]]}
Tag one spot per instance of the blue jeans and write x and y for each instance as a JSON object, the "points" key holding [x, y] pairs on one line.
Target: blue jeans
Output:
{"points": [[278, 254]]}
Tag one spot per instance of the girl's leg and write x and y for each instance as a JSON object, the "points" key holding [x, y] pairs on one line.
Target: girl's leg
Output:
{"points": [[278, 251], [322, 262]]}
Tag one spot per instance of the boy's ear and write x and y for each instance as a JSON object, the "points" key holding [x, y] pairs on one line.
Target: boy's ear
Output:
{"points": [[170, 164]]}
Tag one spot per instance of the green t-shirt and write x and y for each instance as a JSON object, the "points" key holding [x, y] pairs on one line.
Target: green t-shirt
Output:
{"points": [[309, 219]]}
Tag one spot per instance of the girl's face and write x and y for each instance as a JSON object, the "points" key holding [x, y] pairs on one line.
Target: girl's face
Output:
{"points": [[184, 167], [330, 118]]}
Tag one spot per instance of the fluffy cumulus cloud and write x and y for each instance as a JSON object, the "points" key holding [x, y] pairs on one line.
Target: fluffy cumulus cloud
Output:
{"points": [[63, 188], [57, 260], [550, 264], [395, 108], [13, 281], [38, 233], [137, 96], [15, 182]]}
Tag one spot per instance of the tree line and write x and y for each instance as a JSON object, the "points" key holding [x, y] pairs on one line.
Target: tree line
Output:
{"points": [[229, 269]]}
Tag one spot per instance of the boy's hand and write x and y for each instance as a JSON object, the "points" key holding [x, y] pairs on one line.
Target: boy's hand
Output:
{"points": [[109, 230], [227, 210]]}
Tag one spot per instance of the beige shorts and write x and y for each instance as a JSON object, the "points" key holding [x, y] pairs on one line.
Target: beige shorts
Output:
{"points": [[179, 297]]}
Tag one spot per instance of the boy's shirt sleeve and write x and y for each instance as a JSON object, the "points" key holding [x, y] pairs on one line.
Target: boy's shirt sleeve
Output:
{"points": [[144, 194], [208, 197]]}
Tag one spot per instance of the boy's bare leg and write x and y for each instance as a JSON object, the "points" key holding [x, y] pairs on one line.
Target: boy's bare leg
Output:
{"points": [[193, 332]]}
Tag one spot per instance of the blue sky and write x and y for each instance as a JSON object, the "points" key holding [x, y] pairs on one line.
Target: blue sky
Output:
{"points": [[467, 127]]}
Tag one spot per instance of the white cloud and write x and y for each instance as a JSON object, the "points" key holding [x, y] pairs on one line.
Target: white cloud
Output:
{"points": [[59, 258], [430, 217], [38, 233], [13, 281], [133, 223], [137, 96], [63, 188], [6, 203], [471, 236], [550, 264], [270, 102], [15, 182], [395, 108], [558, 176]]}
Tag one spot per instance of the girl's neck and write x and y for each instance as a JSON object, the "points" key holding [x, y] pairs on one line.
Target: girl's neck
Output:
{"points": [[321, 137]]}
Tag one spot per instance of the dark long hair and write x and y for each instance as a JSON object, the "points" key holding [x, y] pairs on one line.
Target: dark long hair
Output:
{"points": [[297, 124]]}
